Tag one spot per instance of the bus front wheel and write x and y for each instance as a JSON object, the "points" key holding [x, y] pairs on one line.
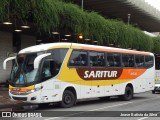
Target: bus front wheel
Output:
{"points": [[68, 99], [128, 94]]}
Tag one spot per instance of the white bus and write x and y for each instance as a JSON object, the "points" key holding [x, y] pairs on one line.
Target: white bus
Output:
{"points": [[66, 72]]}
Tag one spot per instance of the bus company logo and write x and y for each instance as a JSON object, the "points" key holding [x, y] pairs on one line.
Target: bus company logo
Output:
{"points": [[99, 73]]}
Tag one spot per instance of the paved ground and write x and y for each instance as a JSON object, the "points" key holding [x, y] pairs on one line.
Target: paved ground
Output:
{"points": [[5, 103], [94, 109], [4, 98]]}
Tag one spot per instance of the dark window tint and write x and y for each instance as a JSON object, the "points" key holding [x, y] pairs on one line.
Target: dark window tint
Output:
{"points": [[113, 60], [139, 61], [101, 59], [149, 61], [127, 60], [96, 59], [48, 70], [78, 58], [52, 63]]}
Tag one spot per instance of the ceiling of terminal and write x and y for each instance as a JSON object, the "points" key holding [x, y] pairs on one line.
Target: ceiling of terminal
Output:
{"points": [[119, 9]]}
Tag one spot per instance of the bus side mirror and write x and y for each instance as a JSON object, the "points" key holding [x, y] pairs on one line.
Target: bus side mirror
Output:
{"points": [[6, 60], [39, 58]]}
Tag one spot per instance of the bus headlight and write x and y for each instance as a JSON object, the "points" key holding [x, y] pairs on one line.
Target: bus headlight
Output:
{"points": [[22, 91]]}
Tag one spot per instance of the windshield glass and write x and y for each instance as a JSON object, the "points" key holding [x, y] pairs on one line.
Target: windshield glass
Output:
{"points": [[24, 74], [23, 71]]}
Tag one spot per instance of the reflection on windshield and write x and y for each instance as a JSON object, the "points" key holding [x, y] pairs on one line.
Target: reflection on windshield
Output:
{"points": [[23, 72], [23, 69]]}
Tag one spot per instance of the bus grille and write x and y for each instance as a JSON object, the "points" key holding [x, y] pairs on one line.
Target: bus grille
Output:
{"points": [[20, 98]]}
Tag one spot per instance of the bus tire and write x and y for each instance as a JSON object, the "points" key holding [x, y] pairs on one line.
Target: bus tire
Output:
{"points": [[68, 99], [128, 94]]}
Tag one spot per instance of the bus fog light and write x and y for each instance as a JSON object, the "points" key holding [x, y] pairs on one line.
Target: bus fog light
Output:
{"points": [[33, 98]]}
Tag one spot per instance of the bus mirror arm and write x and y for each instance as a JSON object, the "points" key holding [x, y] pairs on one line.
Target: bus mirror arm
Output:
{"points": [[6, 60], [39, 58]]}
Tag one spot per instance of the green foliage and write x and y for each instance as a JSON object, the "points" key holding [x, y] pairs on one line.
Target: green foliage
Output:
{"points": [[3, 9], [57, 15], [156, 41]]}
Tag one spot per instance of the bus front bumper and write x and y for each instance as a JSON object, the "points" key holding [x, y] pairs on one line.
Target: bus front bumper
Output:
{"points": [[33, 97]]}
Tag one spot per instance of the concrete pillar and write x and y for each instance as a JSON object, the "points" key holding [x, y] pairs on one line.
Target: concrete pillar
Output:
{"points": [[5, 50]]}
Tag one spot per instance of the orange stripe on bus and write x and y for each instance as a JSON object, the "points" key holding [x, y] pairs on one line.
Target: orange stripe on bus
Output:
{"points": [[21, 89], [131, 73], [114, 50]]}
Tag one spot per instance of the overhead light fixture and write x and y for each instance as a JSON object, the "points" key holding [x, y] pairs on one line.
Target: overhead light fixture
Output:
{"points": [[55, 33], [68, 35], [64, 39], [39, 40], [111, 44], [18, 30], [87, 39], [25, 26], [7, 23], [80, 35], [95, 41]]}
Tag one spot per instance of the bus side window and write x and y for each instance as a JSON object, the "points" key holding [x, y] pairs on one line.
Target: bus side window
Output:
{"points": [[139, 61], [52, 64], [128, 60], [93, 59], [75, 59], [46, 70], [114, 60], [84, 58], [78, 58], [148, 61], [101, 59], [96, 59], [110, 60]]}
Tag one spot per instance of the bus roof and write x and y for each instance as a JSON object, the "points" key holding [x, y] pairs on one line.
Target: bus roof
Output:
{"points": [[49, 46]]}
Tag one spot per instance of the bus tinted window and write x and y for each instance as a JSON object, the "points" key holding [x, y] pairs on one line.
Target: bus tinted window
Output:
{"points": [[52, 63], [139, 61], [78, 58], [101, 59], [113, 60], [148, 61], [96, 59], [127, 60]]}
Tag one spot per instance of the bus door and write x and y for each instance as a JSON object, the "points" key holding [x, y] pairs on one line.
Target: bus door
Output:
{"points": [[49, 71]]}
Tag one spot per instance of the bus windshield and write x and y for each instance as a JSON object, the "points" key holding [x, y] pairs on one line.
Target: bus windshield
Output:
{"points": [[23, 71]]}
